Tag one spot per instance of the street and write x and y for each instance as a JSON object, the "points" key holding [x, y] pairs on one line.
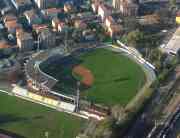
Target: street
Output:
{"points": [[144, 123]]}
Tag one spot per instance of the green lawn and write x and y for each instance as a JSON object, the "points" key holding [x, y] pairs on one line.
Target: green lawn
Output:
{"points": [[117, 78], [33, 120]]}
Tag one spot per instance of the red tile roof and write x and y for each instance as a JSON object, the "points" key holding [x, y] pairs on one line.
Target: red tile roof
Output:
{"points": [[3, 45], [53, 10], [12, 24], [39, 27]]}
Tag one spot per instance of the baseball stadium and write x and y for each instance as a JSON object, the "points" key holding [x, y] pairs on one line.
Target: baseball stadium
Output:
{"points": [[85, 83], [103, 76]]}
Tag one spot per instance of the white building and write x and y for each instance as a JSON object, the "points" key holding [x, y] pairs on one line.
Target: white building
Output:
{"points": [[173, 45], [25, 41], [103, 11], [21, 4], [109, 21], [42, 4], [126, 7], [32, 17]]}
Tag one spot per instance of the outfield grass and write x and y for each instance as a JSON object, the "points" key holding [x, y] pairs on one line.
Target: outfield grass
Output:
{"points": [[32, 120], [117, 78]]}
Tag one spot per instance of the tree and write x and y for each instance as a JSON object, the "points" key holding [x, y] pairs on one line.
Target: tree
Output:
{"points": [[105, 128], [172, 3], [178, 54], [135, 38], [165, 17], [131, 24]]}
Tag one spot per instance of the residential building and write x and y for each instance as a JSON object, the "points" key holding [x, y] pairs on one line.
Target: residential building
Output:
{"points": [[89, 35], [6, 49], [178, 17], [114, 30], [11, 23], [172, 46], [51, 12], [9, 70], [25, 41], [109, 21], [126, 7], [68, 7], [32, 17], [19, 31], [1, 27], [54, 23], [46, 39], [61, 27], [95, 4], [4, 45], [80, 24], [6, 10], [151, 19], [38, 28], [78, 2], [9, 17], [58, 25], [103, 11], [42, 4], [22, 5], [162, 1]]}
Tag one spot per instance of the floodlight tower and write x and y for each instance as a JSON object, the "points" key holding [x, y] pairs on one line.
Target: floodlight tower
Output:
{"points": [[66, 40], [36, 75], [77, 96], [38, 46]]}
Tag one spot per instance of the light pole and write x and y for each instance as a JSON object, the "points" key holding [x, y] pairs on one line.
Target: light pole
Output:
{"points": [[38, 46], [77, 96]]}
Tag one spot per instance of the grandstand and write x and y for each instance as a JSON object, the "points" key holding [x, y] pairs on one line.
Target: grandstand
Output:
{"points": [[48, 99], [41, 83], [35, 75]]}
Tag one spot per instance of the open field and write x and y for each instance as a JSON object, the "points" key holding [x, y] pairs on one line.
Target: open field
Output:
{"points": [[117, 79], [32, 120]]}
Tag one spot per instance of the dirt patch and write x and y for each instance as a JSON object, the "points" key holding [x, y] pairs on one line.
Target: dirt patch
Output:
{"points": [[87, 76]]}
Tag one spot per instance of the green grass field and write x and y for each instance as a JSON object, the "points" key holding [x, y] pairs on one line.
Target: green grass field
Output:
{"points": [[32, 120], [117, 79]]}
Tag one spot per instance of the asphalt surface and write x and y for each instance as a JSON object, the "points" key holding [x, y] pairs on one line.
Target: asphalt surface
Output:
{"points": [[145, 122], [176, 130]]}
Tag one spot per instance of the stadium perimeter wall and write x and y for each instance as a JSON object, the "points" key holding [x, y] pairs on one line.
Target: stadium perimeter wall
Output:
{"points": [[142, 95]]}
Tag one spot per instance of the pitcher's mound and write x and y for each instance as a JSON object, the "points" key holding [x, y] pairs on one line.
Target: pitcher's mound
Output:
{"points": [[87, 76]]}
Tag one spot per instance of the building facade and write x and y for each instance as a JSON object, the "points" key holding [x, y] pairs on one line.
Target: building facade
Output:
{"points": [[11, 23], [25, 41], [32, 17], [42, 4], [22, 5], [126, 7], [46, 39]]}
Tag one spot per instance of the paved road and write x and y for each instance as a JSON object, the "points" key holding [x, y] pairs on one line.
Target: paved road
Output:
{"points": [[146, 119], [176, 130]]}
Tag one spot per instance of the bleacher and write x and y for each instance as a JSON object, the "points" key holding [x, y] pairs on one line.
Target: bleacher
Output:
{"points": [[67, 106], [34, 73]]}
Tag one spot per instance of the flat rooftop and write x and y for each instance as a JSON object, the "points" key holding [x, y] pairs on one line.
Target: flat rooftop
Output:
{"points": [[173, 45]]}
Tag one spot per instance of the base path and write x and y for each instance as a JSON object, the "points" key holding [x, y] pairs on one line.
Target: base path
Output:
{"points": [[87, 76]]}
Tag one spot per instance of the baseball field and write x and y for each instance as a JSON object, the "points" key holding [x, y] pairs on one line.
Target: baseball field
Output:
{"points": [[106, 77], [31, 120]]}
